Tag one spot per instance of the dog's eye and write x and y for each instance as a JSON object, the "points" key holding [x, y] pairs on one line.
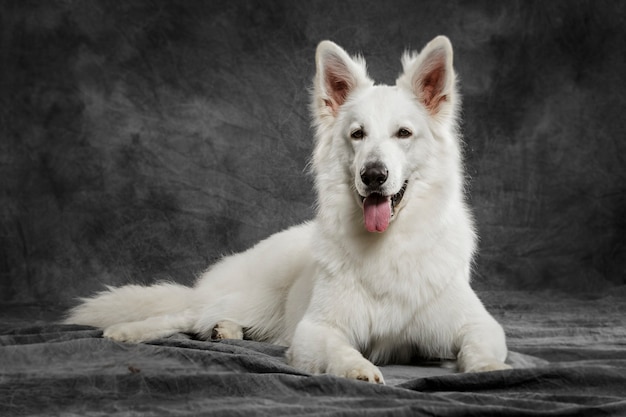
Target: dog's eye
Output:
{"points": [[357, 134], [404, 133]]}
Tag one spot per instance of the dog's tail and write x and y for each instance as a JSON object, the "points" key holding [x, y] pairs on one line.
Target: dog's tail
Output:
{"points": [[130, 303]]}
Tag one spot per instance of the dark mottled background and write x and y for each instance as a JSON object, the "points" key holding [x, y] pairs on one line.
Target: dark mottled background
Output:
{"points": [[142, 140]]}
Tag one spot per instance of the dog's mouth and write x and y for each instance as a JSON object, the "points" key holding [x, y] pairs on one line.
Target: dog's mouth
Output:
{"points": [[379, 209]]}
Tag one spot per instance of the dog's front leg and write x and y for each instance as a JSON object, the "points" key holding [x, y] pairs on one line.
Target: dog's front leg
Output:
{"points": [[482, 346], [319, 347]]}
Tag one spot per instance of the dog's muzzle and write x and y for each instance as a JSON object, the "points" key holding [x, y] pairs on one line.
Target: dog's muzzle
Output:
{"points": [[379, 209]]}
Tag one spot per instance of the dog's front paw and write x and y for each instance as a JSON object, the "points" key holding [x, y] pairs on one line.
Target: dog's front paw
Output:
{"points": [[361, 369], [126, 332]]}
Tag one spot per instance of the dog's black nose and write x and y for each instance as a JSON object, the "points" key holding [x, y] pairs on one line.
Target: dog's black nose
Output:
{"points": [[374, 174]]}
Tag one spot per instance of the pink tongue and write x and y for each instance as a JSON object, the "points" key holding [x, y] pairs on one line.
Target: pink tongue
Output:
{"points": [[377, 212]]}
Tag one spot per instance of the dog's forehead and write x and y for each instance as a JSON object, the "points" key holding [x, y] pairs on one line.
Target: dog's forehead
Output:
{"points": [[382, 105]]}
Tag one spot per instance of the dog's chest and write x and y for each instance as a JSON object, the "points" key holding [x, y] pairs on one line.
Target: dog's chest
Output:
{"points": [[397, 329], [400, 288], [395, 305]]}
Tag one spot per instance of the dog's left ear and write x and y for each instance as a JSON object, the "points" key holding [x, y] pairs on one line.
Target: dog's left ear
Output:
{"points": [[430, 76]]}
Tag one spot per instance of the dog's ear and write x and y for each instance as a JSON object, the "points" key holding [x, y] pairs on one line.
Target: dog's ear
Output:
{"points": [[337, 76], [430, 76]]}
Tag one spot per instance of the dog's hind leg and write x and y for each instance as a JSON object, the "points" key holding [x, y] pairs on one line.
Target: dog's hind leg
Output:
{"points": [[226, 329], [152, 327]]}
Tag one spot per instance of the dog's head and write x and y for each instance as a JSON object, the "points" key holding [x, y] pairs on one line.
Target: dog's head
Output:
{"points": [[391, 143]]}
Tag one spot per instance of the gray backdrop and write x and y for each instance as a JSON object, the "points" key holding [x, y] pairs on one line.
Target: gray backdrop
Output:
{"points": [[142, 140]]}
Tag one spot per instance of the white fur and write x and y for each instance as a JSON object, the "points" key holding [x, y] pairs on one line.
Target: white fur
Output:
{"points": [[341, 297]]}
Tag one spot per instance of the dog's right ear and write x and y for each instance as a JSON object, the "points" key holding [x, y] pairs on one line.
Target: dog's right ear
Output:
{"points": [[337, 76]]}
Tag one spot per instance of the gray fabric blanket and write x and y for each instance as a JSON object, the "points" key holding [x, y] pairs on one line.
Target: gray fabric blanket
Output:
{"points": [[573, 366]]}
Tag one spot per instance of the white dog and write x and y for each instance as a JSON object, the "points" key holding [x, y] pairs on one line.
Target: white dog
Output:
{"points": [[382, 273]]}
